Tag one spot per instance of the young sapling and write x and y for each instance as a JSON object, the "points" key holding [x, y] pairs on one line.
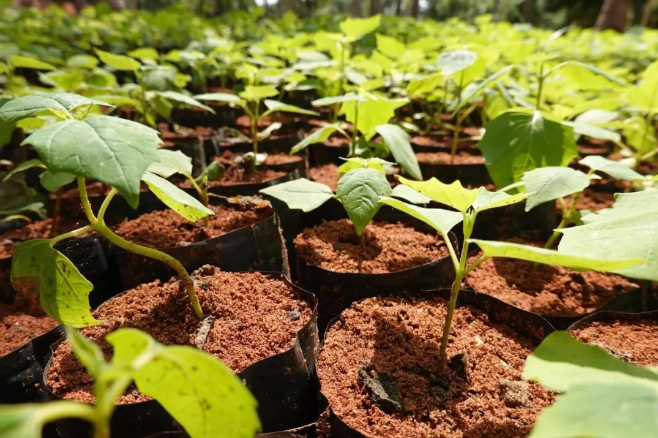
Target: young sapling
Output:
{"points": [[359, 188], [114, 151], [176, 376], [468, 203]]}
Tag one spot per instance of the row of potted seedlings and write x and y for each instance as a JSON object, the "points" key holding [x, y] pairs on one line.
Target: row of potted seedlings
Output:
{"points": [[399, 356]]}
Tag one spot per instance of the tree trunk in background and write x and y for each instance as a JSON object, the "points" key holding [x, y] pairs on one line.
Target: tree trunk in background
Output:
{"points": [[638, 8], [613, 15], [529, 11], [496, 7], [648, 10], [355, 8], [398, 8], [374, 7], [415, 8]]}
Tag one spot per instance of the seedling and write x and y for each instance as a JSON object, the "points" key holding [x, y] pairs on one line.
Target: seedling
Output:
{"points": [[250, 101], [114, 151], [359, 188], [369, 116], [468, 203], [198, 391], [548, 184]]}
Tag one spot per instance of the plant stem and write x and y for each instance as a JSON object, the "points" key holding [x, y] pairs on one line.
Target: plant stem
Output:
{"points": [[254, 127], [567, 219], [100, 226], [106, 398], [455, 140], [355, 129], [54, 241], [541, 86], [362, 238]]}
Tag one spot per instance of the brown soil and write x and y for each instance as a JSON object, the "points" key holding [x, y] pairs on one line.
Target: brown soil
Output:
{"points": [[590, 200], [443, 141], [183, 133], [481, 393], [461, 157], [545, 290], [256, 317], [337, 142], [390, 247], [227, 159], [633, 338], [34, 230], [166, 228], [327, 174], [17, 328]]}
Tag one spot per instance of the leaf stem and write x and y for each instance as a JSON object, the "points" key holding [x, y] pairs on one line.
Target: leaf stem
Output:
{"points": [[54, 241], [254, 127], [100, 226], [541, 86]]}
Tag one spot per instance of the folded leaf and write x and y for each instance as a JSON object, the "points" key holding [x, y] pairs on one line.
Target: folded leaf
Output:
{"points": [[221, 97], [318, 136], [613, 168], [349, 97], [176, 199], [276, 106], [184, 98], [441, 220], [398, 143], [300, 194]]}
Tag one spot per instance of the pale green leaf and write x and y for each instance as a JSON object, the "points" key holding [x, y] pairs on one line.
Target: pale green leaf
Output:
{"points": [[82, 61], [362, 163], [454, 61], [39, 270], [366, 116], [184, 98], [359, 191], [410, 195], [317, 136], [114, 151], [118, 62], [487, 200], [397, 142], [453, 195], [441, 220], [120, 101], [349, 97], [551, 183], [300, 194], [551, 257], [144, 53], [171, 163], [475, 90], [221, 97], [597, 117], [593, 131], [25, 62], [515, 143], [390, 47], [27, 420], [582, 76], [424, 86], [88, 353], [28, 164], [613, 168], [358, 27], [276, 106], [60, 104], [176, 199], [253, 93], [54, 181]]}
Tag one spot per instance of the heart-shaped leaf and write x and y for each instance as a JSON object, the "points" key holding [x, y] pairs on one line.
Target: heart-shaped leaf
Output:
{"points": [[359, 191], [54, 181], [300, 194], [60, 104]]}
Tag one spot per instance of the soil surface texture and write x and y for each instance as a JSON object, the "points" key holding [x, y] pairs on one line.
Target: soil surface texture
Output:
{"points": [[633, 338], [543, 289], [461, 157], [34, 230], [17, 328], [379, 370], [389, 247], [327, 174], [256, 316], [166, 228]]}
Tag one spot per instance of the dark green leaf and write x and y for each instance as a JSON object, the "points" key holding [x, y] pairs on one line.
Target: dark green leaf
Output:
{"points": [[398, 143], [359, 191]]}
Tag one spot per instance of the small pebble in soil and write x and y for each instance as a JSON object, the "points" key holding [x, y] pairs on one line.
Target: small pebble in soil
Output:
{"points": [[515, 393], [384, 391]]}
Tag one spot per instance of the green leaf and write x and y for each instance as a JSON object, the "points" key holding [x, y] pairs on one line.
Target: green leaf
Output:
{"points": [[265, 133], [38, 269], [359, 191], [398, 143], [88, 353], [253, 93], [210, 400], [184, 98], [561, 362], [515, 143], [454, 61], [603, 410], [473, 91], [60, 104], [213, 172], [24, 62], [551, 183], [317, 136], [357, 27], [627, 230], [144, 53], [586, 76], [54, 181], [441, 220], [6, 132], [593, 131], [176, 199], [114, 151], [349, 97], [118, 62], [362, 163], [613, 168], [492, 248], [82, 61], [276, 106], [27, 420], [410, 195], [390, 46], [371, 113], [222, 97], [487, 200], [171, 163], [424, 86], [453, 195], [300, 194], [121, 101], [29, 164], [597, 117]]}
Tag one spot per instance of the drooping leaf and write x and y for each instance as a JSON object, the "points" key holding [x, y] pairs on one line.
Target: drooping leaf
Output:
{"points": [[453, 195], [551, 183], [492, 248], [60, 104], [355, 28], [359, 191], [441, 220], [410, 195], [171, 163], [39, 270], [184, 98], [515, 143], [118, 62], [627, 230], [253, 93], [349, 97], [114, 151], [455, 61], [25, 62], [613, 168], [54, 181], [88, 353], [28, 164], [560, 362], [597, 117], [593, 131], [300, 194], [317, 136], [602, 410], [176, 199], [210, 399], [398, 143], [276, 106]]}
